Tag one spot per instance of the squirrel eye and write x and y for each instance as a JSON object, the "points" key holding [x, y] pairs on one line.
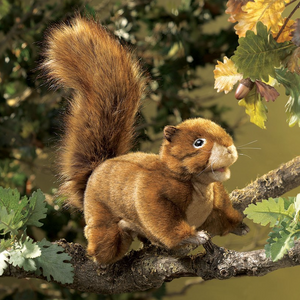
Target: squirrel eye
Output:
{"points": [[199, 143]]}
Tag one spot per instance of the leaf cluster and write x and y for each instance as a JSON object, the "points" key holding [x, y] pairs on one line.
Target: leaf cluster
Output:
{"points": [[282, 214], [18, 249], [268, 49]]}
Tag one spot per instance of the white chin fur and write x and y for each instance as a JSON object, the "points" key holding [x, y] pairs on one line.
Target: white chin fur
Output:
{"points": [[220, 176], [221, 158]]}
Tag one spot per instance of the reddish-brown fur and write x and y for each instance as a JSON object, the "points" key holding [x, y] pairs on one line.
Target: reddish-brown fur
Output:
{"points": [[86, 58], [165, 198]]}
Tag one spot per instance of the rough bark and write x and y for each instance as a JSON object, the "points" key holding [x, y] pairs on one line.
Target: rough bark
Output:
{"points": [[273, 184], [150, 266]]}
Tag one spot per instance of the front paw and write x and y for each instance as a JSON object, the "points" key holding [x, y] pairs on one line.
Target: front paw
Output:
{"points": [[241, 229], [200, 238]]}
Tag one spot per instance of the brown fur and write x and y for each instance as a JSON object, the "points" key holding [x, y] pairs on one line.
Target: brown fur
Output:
{"points": [[164, 198], [86, 58]]}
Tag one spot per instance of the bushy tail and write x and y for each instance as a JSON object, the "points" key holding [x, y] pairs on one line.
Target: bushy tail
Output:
{"points": [[107, 82]]}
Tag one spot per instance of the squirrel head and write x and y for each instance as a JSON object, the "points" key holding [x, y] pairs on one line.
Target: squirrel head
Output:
{"points": [[198, 149]]}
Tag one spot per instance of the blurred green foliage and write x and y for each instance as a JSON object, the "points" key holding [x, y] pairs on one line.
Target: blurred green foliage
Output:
{"points": [[169, 38]]}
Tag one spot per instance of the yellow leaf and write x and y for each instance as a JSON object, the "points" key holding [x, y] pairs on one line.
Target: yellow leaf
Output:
{"points": [[285, 35], [226, 75], [272, 81], [234, 7], [267, 11], [255, 108]]}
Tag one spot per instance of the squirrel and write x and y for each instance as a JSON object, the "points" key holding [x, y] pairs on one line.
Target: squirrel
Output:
{"points": [[170, 198]]}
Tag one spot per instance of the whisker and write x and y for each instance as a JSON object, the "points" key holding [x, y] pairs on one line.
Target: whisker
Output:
{"points": [[212, 170], [247, 144], [203, 170], [249, 148], [245, 155]]}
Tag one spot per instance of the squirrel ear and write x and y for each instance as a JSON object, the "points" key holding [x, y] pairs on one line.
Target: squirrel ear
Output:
{"points": [[169, 132]]}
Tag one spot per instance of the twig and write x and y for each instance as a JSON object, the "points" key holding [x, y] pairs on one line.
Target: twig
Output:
{"points": [[289, 3], [286, 21]]}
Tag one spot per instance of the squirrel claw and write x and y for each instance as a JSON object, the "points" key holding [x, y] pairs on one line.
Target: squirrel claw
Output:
{"points": [[241, 229], [200, 238]]}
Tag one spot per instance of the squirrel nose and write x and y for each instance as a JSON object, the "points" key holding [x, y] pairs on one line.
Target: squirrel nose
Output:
{"points": [[231, 150]]}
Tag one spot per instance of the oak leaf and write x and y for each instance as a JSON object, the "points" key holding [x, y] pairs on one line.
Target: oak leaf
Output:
{"points": [[291, 82], [268, 12], [226, 75], [266, 91], [234, 8], [285, 35], [255, 108], [258, 54]]}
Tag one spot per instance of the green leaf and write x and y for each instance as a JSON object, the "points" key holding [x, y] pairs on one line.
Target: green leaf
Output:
{"points": [[291, 82], [16, 213], [255, 108], [30, 249], [281, 241], [288, 201], [297, 231], [37, 209], [17, 259], [52, 262], [9, 222], [5, 220], [12, 210], [5, 244], [274, 235], [10, 198], [258, 54], [23, 253], [269, 211], [282, 213]]}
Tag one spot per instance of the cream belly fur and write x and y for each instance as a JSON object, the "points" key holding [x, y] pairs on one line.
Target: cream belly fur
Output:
{"points": [[201, 205]]}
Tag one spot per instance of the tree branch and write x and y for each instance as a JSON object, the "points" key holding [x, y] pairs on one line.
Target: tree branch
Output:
{"points": [[151, 266], [273, 184]]}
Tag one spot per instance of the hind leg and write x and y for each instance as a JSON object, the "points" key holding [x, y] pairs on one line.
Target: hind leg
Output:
{"points": [[107, 242]]}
